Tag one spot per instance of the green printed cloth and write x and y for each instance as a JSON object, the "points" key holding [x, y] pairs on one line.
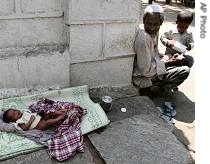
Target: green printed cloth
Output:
{"points": [[12, 145]]}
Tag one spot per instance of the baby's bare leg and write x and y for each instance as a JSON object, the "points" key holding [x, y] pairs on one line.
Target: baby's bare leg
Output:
{"points": [[45, 124], [54, 114], [61, 111]]}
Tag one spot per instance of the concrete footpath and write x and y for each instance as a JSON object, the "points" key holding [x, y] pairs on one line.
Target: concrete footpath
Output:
{"points": [[139, 135]]}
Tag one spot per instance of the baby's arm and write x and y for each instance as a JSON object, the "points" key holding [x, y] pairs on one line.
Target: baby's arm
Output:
{"points": [[28, 124]]}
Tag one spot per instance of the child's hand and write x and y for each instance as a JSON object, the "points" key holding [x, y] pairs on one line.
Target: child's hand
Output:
{"points": [[170, 43], [189, 47]]}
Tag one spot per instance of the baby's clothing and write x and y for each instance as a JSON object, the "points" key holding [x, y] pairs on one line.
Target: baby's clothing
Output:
{"points": [[25, 119]]}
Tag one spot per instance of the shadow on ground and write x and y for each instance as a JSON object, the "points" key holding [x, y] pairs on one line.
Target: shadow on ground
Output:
{"points": [[184, 128], [184, 106], [185, 134]]}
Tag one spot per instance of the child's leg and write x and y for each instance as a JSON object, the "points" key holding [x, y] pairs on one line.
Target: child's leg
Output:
{"points": [[45, 124], [61, 111], [54, 114]]}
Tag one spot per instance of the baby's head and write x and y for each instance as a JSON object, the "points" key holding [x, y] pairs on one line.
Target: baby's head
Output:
{"points": [[11, 115], [153, 18], [184, 19]]}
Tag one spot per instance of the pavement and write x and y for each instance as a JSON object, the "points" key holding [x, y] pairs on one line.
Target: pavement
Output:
{"points": [[139, 135]]}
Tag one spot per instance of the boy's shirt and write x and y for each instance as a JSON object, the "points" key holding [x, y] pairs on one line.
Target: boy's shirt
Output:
{"points": [[186, 38]]}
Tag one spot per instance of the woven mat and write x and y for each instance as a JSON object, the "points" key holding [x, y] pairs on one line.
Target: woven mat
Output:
{"points": [[12, 145]]}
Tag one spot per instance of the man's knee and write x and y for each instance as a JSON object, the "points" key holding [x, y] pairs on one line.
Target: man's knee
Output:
{"points": [[185, 71], [190, 60]]}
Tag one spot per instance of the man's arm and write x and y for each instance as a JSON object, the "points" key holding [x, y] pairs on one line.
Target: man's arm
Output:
{"points": [[144, 48]]}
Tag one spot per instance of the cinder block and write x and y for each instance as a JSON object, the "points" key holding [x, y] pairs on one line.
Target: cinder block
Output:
{"points": [[7, 7], [103, 9], [45, 69], [119, 39], [85, 42], [10, 74], [115, 72], [40, 6], [27, 32]]}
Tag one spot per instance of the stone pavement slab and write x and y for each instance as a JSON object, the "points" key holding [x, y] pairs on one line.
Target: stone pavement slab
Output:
{"points": [[42, 157], [135, 141], [185, 132], [138, 136], [137, 105]]}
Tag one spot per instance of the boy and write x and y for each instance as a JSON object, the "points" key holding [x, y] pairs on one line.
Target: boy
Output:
{"points": [[149, 69], [26, 120], [179, 40]]}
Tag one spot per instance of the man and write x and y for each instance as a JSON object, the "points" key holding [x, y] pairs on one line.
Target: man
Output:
{"points": [[149, 69]]}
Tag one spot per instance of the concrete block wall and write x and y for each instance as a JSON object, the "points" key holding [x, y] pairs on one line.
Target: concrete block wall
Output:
{"points": [[67, 42], [34, 66], [31, 23], [101, 35], [32, 44]]}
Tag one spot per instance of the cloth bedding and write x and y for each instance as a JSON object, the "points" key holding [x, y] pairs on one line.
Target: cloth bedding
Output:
{"points": [[19, 142], [67, 138]]}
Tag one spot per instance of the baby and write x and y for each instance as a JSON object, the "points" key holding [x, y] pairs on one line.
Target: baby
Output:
{"points": [[26, 120]]}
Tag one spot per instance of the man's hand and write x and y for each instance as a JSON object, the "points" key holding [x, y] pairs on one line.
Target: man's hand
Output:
{"points": [[176, 60], [178, 56], [165, 57]]}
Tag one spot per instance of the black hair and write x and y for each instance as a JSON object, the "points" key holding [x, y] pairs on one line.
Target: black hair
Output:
{"points": [[6, 117], [185, 16]]}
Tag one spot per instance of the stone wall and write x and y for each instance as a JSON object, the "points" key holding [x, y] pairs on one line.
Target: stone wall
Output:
{"points": [[67, 42], [31, 22]]}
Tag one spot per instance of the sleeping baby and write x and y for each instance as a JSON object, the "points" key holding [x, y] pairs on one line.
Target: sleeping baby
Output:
{"points": [[26, 120]]}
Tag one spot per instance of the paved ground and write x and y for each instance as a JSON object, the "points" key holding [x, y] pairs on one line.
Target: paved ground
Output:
{"points": [[138, 135], [185, 97]]}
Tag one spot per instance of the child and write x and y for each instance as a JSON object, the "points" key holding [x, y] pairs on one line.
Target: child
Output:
{"points": [[179, 40], [27, 120]]}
